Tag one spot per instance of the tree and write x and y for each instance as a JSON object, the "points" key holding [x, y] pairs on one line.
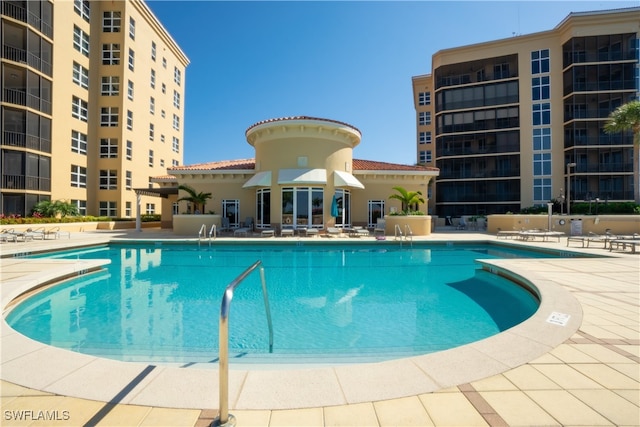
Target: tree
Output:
{"points": [[50, 209], [198, 200], [409, 199], [627, 118]]}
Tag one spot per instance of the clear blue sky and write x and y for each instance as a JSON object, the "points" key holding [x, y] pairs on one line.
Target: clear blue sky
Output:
{"points": [[346, 61]]}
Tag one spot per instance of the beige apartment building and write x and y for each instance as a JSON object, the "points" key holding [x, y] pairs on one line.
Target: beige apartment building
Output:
{"points": [[517, 122], [92, 105]]}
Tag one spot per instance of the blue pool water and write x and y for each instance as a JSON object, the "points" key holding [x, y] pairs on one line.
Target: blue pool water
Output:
{"points": [[161, 303]]}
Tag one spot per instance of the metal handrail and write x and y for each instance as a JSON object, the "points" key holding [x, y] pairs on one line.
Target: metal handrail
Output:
{"points": [[408, 234], [225, 418], [213, 232]]}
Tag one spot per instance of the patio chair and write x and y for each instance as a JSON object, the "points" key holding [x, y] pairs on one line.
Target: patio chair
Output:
{"points": [[225, 225], [248, 223], [379, 229], [462, 225]]}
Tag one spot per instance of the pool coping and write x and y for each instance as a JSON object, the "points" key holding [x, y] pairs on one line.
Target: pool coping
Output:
{"points": [[84, 376]]}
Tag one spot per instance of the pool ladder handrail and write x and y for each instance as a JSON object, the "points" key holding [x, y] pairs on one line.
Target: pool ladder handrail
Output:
{"points": [[407, 235], [202, 234], [225, 418]]}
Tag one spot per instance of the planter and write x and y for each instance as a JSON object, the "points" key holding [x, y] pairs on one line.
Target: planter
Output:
{"points": [[420, 225], [189, 225]]}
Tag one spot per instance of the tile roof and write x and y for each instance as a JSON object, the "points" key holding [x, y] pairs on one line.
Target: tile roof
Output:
{"points": [[249, 164], [300, 118]]}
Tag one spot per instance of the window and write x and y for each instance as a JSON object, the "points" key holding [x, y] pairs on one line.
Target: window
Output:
{"points": [[175, 146], [153, 79], [164, 88], [541, 190], [263, 208], [111, 22], [153, 51], [132, 59], [110, 86], [542, 139], [540, 61], [176, 122], [424, 137], [108, 179], [81, 205], [541, 164], [176, 99], [540, 88], [80, 75], [152, 105], [130, 90], [174, 163], [78, 142], [541, 114], [109, 116], [177, 76], [79, 109], [164, 62], [376, 211], [303, 206], [161, 163], [129, 150], [81, 41], [501, 71], [108, 209], [162, 114], [127, 209], [424, 118], [82, 8], [129, 119], [230, 210], [108, 148], [162, 137], [78, 176], [128, 180], [152, 131], [151, 209], [424, 98], [110, 54], [151, 158], [425, 156], [132, 28]]}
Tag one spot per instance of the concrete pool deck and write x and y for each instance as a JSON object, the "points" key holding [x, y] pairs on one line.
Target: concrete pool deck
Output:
{"points": [[585, 372]]}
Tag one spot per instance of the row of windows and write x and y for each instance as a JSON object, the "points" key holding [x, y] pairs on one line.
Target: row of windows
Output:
{"points": [[109, 148], [109, 116]]}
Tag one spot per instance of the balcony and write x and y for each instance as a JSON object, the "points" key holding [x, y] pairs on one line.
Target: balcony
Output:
{"points": [[22, 56]]}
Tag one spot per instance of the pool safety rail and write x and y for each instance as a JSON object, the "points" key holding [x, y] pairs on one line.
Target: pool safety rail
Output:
{"points": [[202, 234], [398, 235], [225, 418]]}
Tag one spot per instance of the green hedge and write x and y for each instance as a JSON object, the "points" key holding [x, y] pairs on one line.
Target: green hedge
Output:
{"points": [[6, 220]]}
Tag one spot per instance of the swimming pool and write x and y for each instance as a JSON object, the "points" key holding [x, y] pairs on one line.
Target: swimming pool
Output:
{"points": [[161, 303]]}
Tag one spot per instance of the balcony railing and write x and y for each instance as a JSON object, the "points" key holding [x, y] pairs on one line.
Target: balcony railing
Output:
{"points": [[22, 56], [21, 14]]}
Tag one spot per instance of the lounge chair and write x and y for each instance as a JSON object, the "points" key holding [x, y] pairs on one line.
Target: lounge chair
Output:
{"points": [[36, 233], [248, 223], [462, 225], [308, 232], [6, 236], [19, 235], [241, 232], [55, 232], [333, 232], [268, 232], [287, 232]]}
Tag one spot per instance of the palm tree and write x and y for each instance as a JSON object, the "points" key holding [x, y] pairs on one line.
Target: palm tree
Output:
{"points": [[409, 199], [196, 199], [56, 208], [625, 118]]}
